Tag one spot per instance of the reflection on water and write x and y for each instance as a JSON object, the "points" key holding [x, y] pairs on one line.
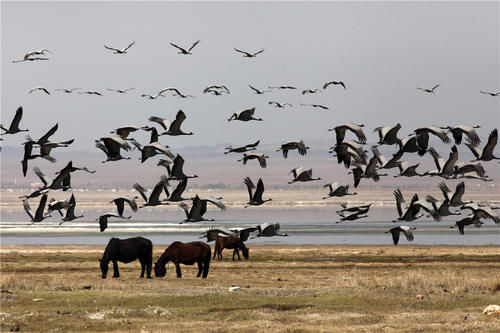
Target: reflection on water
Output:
{"points": [[304, 226]]}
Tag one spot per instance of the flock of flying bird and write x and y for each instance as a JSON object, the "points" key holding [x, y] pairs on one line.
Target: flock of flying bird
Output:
{"points": [[349, 152]]}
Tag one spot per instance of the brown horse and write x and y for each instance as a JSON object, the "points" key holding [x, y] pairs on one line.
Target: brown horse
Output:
{"points": [[230, 242], [187, 254]]}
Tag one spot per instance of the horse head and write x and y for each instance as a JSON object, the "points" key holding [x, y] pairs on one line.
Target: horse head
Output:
{"points": [[245, 250], [104, 267], [160, 270]]}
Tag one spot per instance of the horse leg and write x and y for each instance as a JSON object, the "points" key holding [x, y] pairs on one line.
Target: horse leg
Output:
{"points": [[219, 254], [200, 268], [178, 269], [149, 266], [116, 273], [215, 250], [143, 267], [206, 267]]}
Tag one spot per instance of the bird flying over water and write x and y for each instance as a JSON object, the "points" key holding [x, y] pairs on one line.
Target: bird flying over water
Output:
{"points": [[242, 149], [39, 89], [172, 128], [485, 153], [334, 83], [279, 105], [14, 125], [245, 115], [39, 215], [184, 51], [67, 91], [337, 190], [120, 51], [257, 91], [316, 106], [121, 91], [255, 197], [302, 175], [103, 220], [431, 90], [494, 94], [249, 54], [407, 231]]}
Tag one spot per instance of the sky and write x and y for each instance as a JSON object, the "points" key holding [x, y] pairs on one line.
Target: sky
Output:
{"points": [[381, 50]]}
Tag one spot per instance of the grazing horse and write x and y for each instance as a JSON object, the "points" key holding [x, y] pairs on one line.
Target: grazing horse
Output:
{"points": [[187, 254], [127, 250], [230, 242]]}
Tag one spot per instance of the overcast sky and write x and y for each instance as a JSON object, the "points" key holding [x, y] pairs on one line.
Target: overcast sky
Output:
{"points": [[381, 50]]}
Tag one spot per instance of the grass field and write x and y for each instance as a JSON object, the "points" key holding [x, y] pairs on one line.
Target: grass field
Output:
{"points": [[282, 288]]}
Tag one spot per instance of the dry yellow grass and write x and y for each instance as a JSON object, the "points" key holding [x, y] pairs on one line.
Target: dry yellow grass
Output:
{"points": [[283, 289]]}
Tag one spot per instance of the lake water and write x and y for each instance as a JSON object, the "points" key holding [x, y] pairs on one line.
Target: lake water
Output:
{"points": [[305, 226]]}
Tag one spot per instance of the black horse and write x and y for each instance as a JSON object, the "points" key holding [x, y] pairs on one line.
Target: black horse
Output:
{"points": [[230, 242], [127, 250], [187, 254]]}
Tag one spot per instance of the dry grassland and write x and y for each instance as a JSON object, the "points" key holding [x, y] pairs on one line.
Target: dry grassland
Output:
{"points": [[283, 289]]}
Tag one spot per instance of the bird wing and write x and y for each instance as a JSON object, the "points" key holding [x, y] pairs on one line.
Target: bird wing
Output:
{"points": [[165, 123], [248, 182], [248, 54], [180, 48], [257, 196], [258, 52], [141, 191], [254, 89], [27, 208], [459, 192], [177, 171], [162, 149], [112, 48], [262, 161], [400, 201], [445, 189], [301, 147], [452, 159], [438, 160], [45, 138], [437, 85], [492, 142], [380, 158], [194, 44], [129, 46], [216, 202], [41, 206], [155, 195], [70, 211], [197, 209], [408, 234], [439, 132], [177, 193], [120, 205], [326, 85], [253, 145], [395, 235], [176, 124], [17, 118], [471, 134], [45, 180], [185, 207], [357, 130]]}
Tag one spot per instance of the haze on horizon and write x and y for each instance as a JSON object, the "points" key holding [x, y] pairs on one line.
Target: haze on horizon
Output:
{"points": [[381, 50]]}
